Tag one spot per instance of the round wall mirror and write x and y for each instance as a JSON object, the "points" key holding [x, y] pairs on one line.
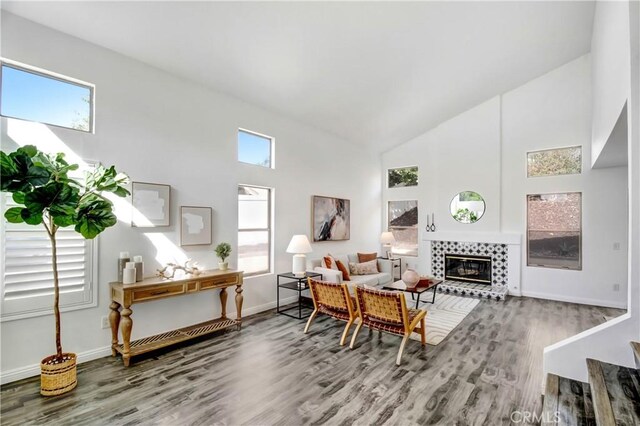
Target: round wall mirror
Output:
{"points": [[467, 207]]}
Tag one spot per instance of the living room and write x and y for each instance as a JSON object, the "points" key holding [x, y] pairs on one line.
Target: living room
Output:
{"points": [[342, 94]]}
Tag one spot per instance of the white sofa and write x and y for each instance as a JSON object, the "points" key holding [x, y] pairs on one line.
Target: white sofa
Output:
{"points": [[385, 276]]}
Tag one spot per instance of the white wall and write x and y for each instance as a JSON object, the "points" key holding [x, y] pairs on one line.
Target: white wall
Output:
{"points": [[610, 69], [159, 128], [609, 342], [484, 149], [554, 111]]}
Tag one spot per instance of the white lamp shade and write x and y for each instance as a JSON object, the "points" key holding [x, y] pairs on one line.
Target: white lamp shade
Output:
{"points": [[299, 244], [387, 238]]}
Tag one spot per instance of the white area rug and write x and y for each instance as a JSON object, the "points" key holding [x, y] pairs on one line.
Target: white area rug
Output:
{"points": [[444, 315]]}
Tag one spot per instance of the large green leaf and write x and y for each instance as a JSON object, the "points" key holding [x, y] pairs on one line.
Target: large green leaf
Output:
{"points": [[94, 216], [31, 217], [14, 215]]}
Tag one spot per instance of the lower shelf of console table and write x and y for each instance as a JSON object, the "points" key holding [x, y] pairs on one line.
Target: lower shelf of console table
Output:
{"points": [[151, 343], [125, 295]]}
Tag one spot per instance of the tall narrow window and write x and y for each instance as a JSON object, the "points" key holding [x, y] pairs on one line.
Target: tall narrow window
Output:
{"points": [[403, 223], [401, 177], [254, 229], [554, 230], [254, 148], [36, 95], [555, 162]]}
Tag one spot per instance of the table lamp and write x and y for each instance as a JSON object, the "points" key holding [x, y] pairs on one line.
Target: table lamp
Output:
{"points": [[299, 245], [387, 239]]}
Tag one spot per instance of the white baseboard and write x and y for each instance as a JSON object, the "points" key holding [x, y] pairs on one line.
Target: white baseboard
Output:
{"points": [[34, 370], [579, 300]]}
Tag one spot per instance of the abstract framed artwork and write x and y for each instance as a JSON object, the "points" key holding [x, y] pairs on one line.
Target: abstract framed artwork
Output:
{"points": [[331, 218], [195, 225], [151, 204]]}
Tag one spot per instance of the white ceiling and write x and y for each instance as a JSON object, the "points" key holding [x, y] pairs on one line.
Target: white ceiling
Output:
{"points": [[376, 73]]}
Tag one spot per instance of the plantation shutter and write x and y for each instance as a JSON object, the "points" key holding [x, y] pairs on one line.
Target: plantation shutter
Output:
{"points": [[27, 286]]}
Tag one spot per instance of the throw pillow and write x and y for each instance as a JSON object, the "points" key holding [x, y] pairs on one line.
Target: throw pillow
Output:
{"points": [[364, 268], [343, 269], [330, 262], [368, 257]]}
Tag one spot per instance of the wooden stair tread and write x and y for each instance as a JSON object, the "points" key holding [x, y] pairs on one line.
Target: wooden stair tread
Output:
{"points": [[567, 402], [616, 393], [636, 350]]}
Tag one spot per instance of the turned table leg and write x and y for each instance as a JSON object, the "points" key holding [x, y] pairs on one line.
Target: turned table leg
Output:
{"points": [[223, 303], [239, 299], [114, 320], [126, 325]]}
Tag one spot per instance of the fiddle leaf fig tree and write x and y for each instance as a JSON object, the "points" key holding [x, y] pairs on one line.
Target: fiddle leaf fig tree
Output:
{"points": [[45, 193]]}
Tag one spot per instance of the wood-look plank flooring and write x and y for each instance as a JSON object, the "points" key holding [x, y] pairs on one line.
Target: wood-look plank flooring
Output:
{"points": [[270, 373]]}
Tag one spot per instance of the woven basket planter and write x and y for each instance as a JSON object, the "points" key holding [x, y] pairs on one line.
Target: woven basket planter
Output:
{"points": [[56, 379]]}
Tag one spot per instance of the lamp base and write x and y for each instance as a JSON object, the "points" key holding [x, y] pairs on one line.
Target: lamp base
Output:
{"points": [[299, 266]]}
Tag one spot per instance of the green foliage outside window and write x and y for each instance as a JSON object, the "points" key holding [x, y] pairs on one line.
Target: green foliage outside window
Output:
{"points": [[563, 161], [407, 176], [465, 216]]}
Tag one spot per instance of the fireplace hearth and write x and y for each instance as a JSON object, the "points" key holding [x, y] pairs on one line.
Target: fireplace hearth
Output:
{"points": [[470, 268]]}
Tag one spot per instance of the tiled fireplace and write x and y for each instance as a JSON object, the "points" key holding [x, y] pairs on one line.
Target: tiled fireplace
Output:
{"points": [[483, 265]]}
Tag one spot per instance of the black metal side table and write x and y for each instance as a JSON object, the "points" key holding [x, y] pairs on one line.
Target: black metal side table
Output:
{"points": [[295, 283], [394, 266]]}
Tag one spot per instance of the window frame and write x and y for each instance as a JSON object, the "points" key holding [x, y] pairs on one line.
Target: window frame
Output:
{"points": [[528, 176], [90, 299], [417, 227], [272, 141], [269, 230], [53, 76], [400, 168], [537, 265]]}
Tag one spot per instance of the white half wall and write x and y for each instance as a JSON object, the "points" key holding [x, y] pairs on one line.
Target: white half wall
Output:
{"points": [[159, 128]]}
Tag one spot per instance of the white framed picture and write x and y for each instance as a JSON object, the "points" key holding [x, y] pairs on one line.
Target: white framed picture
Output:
{"points": [[195, 225], [151, 204]]}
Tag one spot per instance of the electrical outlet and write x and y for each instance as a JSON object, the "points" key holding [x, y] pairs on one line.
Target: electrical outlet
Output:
{"points": [[616, 246], [616, 287], [104, 323]]}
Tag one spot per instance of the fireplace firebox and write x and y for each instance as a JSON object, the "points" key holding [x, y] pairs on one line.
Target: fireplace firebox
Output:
{"points": [[464, 267]]}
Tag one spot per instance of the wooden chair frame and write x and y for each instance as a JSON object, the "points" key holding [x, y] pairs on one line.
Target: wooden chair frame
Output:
{"points": [[333, 300], [382, 319]]}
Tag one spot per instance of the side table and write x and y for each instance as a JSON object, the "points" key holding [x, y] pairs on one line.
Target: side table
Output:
{"points": [[394, 265], [294, 283]]}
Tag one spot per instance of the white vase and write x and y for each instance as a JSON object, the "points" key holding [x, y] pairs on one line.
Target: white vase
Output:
{"points": [[223, 266], [410, 278]]}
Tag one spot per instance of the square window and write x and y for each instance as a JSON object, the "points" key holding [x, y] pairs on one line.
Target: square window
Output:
{"points": [[35, 95], [403, 223], [254, 148], [554, 230]]}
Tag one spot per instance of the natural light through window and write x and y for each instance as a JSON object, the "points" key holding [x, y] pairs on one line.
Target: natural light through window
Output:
{"points": [[254, 229], [403, 223], [254, 148], [35, 95]]}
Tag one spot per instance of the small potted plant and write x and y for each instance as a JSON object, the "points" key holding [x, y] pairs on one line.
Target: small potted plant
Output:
{"points": [[223, 250]]}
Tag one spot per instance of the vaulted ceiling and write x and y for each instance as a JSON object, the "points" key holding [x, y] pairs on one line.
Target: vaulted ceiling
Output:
{"points": [[374, 73]]}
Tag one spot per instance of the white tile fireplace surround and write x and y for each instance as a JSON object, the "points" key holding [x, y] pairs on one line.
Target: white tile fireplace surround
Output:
{"points": [[503, 248]]}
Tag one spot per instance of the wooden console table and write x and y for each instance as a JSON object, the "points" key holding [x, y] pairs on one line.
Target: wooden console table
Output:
{"points": [[125, 295]]}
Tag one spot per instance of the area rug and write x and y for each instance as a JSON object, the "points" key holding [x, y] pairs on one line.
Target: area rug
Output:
{"points": [[444, 316]]}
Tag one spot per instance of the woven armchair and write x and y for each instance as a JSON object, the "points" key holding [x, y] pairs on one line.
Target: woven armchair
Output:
{"points": [[387, 311], [333, 300]]}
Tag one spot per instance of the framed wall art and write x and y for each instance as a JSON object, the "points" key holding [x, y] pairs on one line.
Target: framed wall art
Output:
{"points": [[331, 219], [195, 225], [151, 204]]}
